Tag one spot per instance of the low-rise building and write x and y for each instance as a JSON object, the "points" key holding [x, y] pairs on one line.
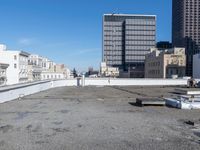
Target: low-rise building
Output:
{"points": [[166, 63], [23, 67], [55, 71], [52, 75], [34, 73], [48, 65], [41, 68], [107, 71], [61, 68], [17, 72], [91, 73], [34, 67], [196, 66], [3, 74]]}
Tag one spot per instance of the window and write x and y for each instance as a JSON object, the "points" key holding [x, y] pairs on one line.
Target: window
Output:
{"points": [[15, 57], [15, 66]]}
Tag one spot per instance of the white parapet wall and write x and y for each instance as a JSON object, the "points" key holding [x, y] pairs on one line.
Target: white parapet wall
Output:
{"points": [[134, 82], [9, 93], [16, 91]]}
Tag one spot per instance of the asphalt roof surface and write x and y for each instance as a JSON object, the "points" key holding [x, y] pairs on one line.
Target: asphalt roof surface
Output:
{"points": [[97, 118]]}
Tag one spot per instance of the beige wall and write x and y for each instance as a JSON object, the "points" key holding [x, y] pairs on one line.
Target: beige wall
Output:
{"points": [[60, 68], [165, 64], [175, 64]]}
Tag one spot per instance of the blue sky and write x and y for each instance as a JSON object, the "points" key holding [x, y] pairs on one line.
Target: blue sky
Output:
{"points": [[70, 31]]}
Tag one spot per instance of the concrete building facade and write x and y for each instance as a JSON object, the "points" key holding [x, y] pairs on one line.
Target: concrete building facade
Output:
{"points": [[52, 75], [165, 63], [34, 67], [126, 41], [107, 71], [55, 71], [48, 65], [185, 28], [17, 72], [3, 73], [61, 68]]}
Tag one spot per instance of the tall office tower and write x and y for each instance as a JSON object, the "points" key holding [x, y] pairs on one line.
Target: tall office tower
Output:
{"points": [[126, 41], [186, 28]]}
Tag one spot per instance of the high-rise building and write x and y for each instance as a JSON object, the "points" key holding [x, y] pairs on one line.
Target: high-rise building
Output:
{"points": [[196, 70], [126, 41], [186, 28]]}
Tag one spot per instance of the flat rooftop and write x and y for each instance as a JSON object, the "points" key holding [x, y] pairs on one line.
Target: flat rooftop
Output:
{"points": [[130, 15], [87, 118]]}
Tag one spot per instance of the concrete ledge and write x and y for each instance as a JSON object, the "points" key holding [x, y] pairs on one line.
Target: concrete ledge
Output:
{"points": [[9, 93], [188, 91], [135, 82], [12, 87]]}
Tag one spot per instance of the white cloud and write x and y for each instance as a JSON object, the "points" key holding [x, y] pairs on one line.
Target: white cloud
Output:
{"points": [[25, 41]]}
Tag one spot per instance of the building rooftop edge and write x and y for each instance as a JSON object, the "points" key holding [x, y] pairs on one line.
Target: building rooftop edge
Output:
{"points": [[114, 14], [4, 64], [17, 51], [24, 53]]}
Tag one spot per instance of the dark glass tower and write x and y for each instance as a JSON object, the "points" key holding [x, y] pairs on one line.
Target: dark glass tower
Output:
{"points": [[126, 41], [186, 28]]}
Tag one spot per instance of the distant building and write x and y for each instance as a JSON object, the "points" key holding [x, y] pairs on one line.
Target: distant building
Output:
{"points": [[34, 67], [92, 73], [61, 68], [196, 66], [55, 71], [126, 41], [52, 76], [48, 65], [41, 68], [165, 64], [17, 72], [185, 29], [107, 71], [162, 45], [3, 73]]}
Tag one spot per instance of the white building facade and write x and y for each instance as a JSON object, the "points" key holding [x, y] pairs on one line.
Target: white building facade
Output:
{"points": [[41, 68], [55, 71], [46, 75], [17, 72], [35, 63], [3, 74], [196, 66]]}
